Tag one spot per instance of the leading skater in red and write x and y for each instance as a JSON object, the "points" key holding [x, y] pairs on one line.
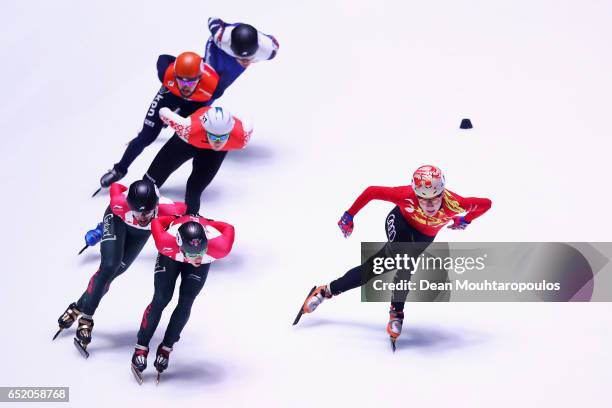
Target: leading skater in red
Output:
{"points": [[421, 210]]}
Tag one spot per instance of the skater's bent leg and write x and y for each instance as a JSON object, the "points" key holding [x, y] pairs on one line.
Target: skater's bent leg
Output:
{"points": [[348, 281], [166, 273], [206, 164], [135, 240], [111, 250], [400, 232], [169, 158], [356, 276], [145, 137], [192, 282], [398, 297], [150, 129]]}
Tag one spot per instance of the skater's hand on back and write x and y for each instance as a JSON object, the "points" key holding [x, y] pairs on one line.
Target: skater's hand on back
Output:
{"points": [[346, 224], [459, 223], [164, 115]]}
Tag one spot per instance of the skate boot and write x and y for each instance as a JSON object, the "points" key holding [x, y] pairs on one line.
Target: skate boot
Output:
{"points": [[110, 177], [394, 327], [315, 297], [161, 360], [83, 335], [139, 361], [67, 318]]}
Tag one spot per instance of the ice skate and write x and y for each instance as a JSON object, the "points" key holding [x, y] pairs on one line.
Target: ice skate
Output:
{"points": [[110, 177], [394, 327], [139, 362], [67, 318], [83, 335], [315, 297], [161, 360]]}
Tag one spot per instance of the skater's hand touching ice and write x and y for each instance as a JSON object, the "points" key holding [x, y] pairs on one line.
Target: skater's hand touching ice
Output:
{"points": [[346, 224], [459, 223]]}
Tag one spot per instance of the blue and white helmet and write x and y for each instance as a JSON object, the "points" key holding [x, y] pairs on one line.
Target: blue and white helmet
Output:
{"points": [[217, 121]]}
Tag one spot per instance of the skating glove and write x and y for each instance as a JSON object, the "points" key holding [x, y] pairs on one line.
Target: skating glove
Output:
{"points": [[92, 237], [459, 222], [346, 224]]}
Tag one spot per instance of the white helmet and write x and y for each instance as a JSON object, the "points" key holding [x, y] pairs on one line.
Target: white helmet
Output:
{"points": [[217, 121], [428, 181]]}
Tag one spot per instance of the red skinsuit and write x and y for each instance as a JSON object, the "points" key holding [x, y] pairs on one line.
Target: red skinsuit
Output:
{"points": [[119, 206], [204, 90], [406, 200], [191, 130], [220, 237]]}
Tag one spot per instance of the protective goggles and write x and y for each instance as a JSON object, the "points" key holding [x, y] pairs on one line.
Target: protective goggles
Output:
{"points": [[195, 255], [430, 199], [218, 138], [187, 81], [144, 214]]}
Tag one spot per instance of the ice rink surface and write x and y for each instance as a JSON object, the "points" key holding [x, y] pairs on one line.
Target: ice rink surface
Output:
{"points": [[361, 93]]}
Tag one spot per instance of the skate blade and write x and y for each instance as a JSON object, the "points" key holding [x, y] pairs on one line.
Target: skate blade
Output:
{"points": [[158, 378], [82, 349], [57, 334], [301, 312], [393, 346], [137, 375], [96, 192]]}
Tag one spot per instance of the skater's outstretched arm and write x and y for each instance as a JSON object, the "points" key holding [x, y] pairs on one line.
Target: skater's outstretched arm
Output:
{"points": [[391, 194]]}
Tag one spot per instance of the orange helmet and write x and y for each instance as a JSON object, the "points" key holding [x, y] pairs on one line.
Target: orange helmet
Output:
{"points": [[188, 65]]}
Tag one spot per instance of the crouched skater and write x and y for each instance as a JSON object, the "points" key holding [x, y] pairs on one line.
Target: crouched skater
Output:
{"points": [[123, 232], [187, 246]]}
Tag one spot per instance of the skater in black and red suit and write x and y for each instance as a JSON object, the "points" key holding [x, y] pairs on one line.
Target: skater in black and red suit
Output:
{"points": [[125, 229], [187, 246]]}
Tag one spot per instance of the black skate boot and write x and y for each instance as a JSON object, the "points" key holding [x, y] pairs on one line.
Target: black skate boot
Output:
{"points": [[161, 360], [110, 177], [67, 318], [83, 335], [139, 362]]}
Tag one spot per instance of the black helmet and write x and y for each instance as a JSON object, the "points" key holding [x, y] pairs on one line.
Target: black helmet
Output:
{"points": [[142, 196], [244, 41], [191, 238]]}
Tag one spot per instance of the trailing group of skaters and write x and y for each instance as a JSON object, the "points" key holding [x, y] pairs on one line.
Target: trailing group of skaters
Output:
{"points": [[187, 242]]}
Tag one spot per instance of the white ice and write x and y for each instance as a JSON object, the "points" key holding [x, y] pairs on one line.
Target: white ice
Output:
{"points": [[360, 94]]}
